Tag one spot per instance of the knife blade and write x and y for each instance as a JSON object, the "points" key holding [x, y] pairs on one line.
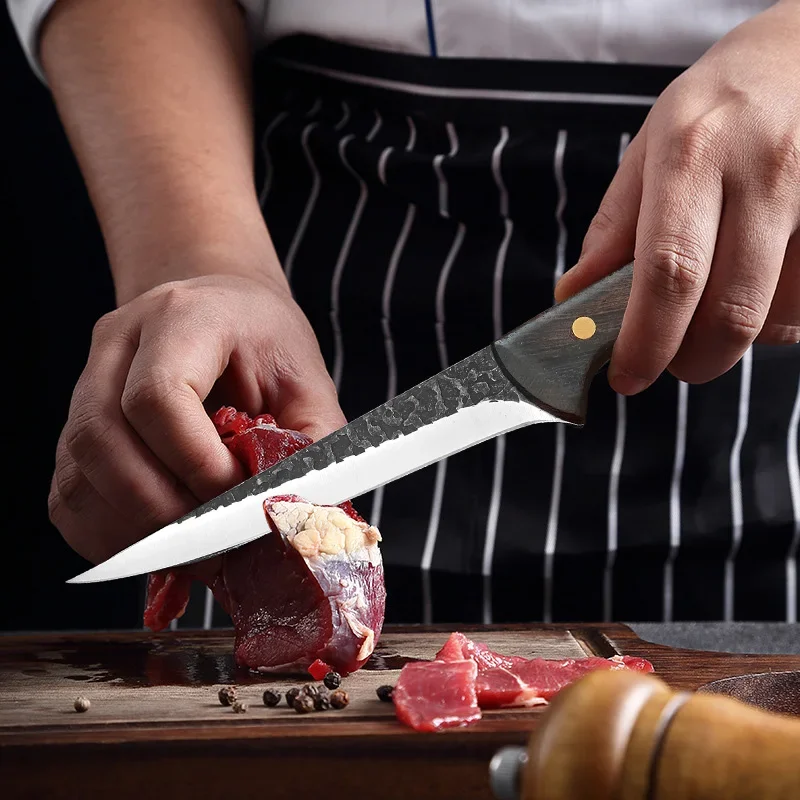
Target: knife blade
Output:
{"points": [[539, 372]]}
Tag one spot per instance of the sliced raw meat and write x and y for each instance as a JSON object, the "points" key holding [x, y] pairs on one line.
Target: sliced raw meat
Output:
{"points": [[502, 681], [505, 681], [459, 646], [312, 590], [433, 695]]}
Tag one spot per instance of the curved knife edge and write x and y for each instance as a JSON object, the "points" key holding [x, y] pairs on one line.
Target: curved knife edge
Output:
{"points": [[228, 527]]}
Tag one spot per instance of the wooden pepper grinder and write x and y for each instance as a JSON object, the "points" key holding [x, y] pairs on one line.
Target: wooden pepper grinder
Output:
{"points": [[627, 736]]}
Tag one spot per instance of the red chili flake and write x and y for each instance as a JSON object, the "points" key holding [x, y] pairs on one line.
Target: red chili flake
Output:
{"points": [[318, 670]]}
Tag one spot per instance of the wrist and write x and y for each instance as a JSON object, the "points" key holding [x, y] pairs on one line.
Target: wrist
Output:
{"points": [[246, 255]]}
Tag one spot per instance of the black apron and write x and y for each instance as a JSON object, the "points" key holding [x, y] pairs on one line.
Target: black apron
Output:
{"points": [[423, 207]]}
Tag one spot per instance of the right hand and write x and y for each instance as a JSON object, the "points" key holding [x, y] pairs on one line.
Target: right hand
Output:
{"points": [[138, 449]]}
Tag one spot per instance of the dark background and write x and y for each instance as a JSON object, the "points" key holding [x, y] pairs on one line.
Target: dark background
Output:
{"points": [[57, 285]]}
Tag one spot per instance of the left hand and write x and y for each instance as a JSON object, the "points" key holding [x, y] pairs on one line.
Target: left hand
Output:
{"points": [[707, 200]]}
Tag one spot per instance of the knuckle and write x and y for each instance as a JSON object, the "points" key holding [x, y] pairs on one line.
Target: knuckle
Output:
{"points": [[56, 500], [740, 319], [145, 398], [780, 168], [105, 326], [676, 271], [176, 296], [68, 489], [780, 333], [87, 433], [606, 219], [694, 146]]}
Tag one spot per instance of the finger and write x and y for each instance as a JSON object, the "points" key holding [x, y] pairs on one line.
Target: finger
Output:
{"points": [[170, 376], [744, 275], [305, 398], [89, 525], [675, 238], [108, 451], [610, 239], [782, 325]]}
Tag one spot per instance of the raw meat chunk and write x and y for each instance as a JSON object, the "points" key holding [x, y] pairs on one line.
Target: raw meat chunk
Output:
{"points": [[515, 681], [499, 681], [311, 590], [433, 695]]}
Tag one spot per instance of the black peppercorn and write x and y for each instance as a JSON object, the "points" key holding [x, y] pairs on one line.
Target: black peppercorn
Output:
{"points": [[291, 695], [303, 704], [82, 704], [332, 680], [385, 693], [339, 698], [227, 695], [271, 698], [239, 707], [322, 702], [310, 690]]}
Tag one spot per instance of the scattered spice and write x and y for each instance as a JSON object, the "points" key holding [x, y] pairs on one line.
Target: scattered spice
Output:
{"points": [[239, 707], [333, 680], [271, 698], [322, 702], [303, 704], [291, 696], [385, 693], [227, 695], [339, 698], [82, 704]]}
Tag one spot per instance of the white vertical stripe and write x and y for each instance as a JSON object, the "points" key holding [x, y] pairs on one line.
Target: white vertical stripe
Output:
{"points": [[386, 324], [735, 466], [384, 157], [208, 609], [173, 625], [675, 497], [375, 128], [386, 302], [344, 252], [345, 117], [793, 463], [497, 321], [441, 340], [314, 110], [441, 466], [412, 135], [558, 458], [614, 476], [500, 441], [268, 165], [312, 199], [437, 168], [613, 509]]}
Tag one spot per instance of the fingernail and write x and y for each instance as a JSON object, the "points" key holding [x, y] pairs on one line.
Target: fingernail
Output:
{"points": [[627, 384]]}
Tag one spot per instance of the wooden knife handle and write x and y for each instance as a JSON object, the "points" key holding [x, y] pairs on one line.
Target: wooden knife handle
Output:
{"points": [[627, 736], [554, 356]]}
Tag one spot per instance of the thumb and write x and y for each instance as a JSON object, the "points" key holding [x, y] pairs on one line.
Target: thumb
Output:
{"points": [[610, 240]]}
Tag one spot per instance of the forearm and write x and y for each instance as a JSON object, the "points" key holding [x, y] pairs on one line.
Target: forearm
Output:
{"points": [[155, 99]]}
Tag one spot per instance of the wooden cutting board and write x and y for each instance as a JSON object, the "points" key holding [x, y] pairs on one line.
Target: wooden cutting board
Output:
{"points": [[154, 698]]}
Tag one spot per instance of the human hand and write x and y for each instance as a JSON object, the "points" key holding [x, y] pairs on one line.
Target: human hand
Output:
{"points": [[707, 201], [138, 449]]}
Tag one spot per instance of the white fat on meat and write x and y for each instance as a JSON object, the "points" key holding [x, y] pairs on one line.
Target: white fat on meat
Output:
{"points": [[324, 535], [324, 531]]}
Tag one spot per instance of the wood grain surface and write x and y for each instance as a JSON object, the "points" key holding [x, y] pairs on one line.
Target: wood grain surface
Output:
{"points": [[154, 700]]}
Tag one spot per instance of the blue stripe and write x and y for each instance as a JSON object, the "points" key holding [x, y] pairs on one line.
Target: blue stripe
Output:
{"points": [[431, 28]]}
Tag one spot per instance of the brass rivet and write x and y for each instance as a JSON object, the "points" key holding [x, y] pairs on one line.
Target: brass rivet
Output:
{"points": [[584, 328]]}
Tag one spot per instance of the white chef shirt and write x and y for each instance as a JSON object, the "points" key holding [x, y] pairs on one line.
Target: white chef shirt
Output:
{"points": [[666, 32]]}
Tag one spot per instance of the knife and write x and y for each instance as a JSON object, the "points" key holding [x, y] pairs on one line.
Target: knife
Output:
{"points": [[539, 372]]}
